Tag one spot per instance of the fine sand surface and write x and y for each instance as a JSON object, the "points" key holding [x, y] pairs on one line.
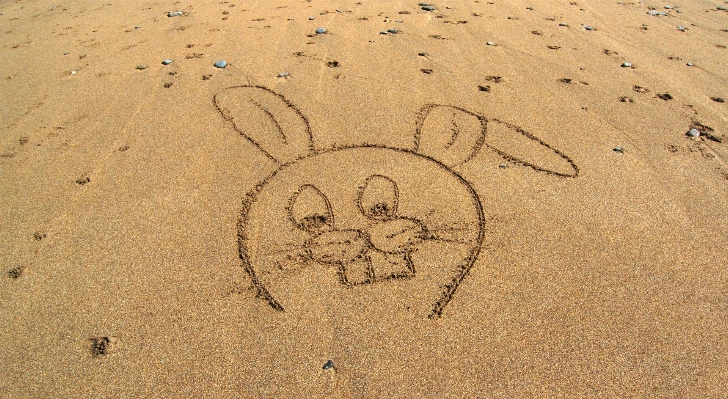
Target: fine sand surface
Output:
{"points": [[438, 216]]}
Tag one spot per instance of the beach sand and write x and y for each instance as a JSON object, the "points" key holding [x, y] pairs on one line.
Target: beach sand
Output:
{"points": [[438, 215]]}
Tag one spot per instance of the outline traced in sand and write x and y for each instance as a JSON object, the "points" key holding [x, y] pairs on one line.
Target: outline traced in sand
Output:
{"points": [[370, 238]]}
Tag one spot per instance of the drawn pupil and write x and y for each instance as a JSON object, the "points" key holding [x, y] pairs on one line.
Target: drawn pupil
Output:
{"points": [[314, 221], [379, 209]]}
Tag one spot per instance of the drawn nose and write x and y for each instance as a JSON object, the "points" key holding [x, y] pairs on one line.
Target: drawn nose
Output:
{"points": [[397, 235], [338, 246]]}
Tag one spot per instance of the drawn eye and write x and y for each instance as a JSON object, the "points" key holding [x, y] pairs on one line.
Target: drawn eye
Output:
{"points": [[378, 197], [311, 210]]}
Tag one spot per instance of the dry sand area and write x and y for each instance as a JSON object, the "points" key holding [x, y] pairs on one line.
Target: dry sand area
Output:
{"points": [[491, 199]]}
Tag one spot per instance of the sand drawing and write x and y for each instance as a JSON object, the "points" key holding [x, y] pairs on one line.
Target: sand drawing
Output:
{"points": [[363, 212]]}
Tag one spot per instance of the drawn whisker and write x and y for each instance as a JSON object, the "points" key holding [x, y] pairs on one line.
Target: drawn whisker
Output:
{"points": [[448, 240], [293, 248], [452, 229]]}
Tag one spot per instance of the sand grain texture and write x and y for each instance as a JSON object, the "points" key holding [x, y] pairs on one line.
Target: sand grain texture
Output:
{"points": [[482, 171]]}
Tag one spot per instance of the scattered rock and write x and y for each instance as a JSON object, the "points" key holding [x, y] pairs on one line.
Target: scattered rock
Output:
{"points": [[490, 43], [427, 71], [717, 99], [502, 166], [220, 64], [587, 27], [384, 32], [664, 96], [174, 14], [681, 28], [141, 66], [166, 62], [721, 8], [39, 235], [563, 24], [83, 180], [626, 99], [329, 364], [311, 18], [66, 53], [689, 64], [626, 65], [619, 150], [668, 7], [693, 133], [283, 74], [320, 31], [392, 30], [656, 13], [484, 88], [428, 8]]}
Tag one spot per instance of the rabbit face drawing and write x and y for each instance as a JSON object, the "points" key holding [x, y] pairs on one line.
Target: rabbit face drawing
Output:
{"points": [[366, 214]]}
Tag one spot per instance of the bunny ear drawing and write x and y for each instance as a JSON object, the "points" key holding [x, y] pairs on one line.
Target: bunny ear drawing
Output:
{"points": [[453, 136], [268, 120]]}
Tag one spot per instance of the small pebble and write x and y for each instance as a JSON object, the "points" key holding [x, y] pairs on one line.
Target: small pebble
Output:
{"points": [[689, 64], [618, 149], [320, 31], [693, 133], [563, 24], [626, 65], [311, 18], [722, 8], [681, 28], [502, 166], [392, 30], [141, 66], [283, 74], [423, 4], [66, 53], [422, 54], [73, 72], [339, 11], [220, 64], [490, 43], [668, 7], [428, 8], [329, 364], [399, 21], [166, 62], [587, 27], [384, 32], [137, 27], [174, 14]]}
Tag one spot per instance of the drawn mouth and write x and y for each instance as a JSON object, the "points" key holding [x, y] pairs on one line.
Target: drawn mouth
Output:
{"points": [[360, 261]]}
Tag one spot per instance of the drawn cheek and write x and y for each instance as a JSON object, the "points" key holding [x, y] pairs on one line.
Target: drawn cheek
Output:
{"points": [[396, 236], [337, 246]]}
